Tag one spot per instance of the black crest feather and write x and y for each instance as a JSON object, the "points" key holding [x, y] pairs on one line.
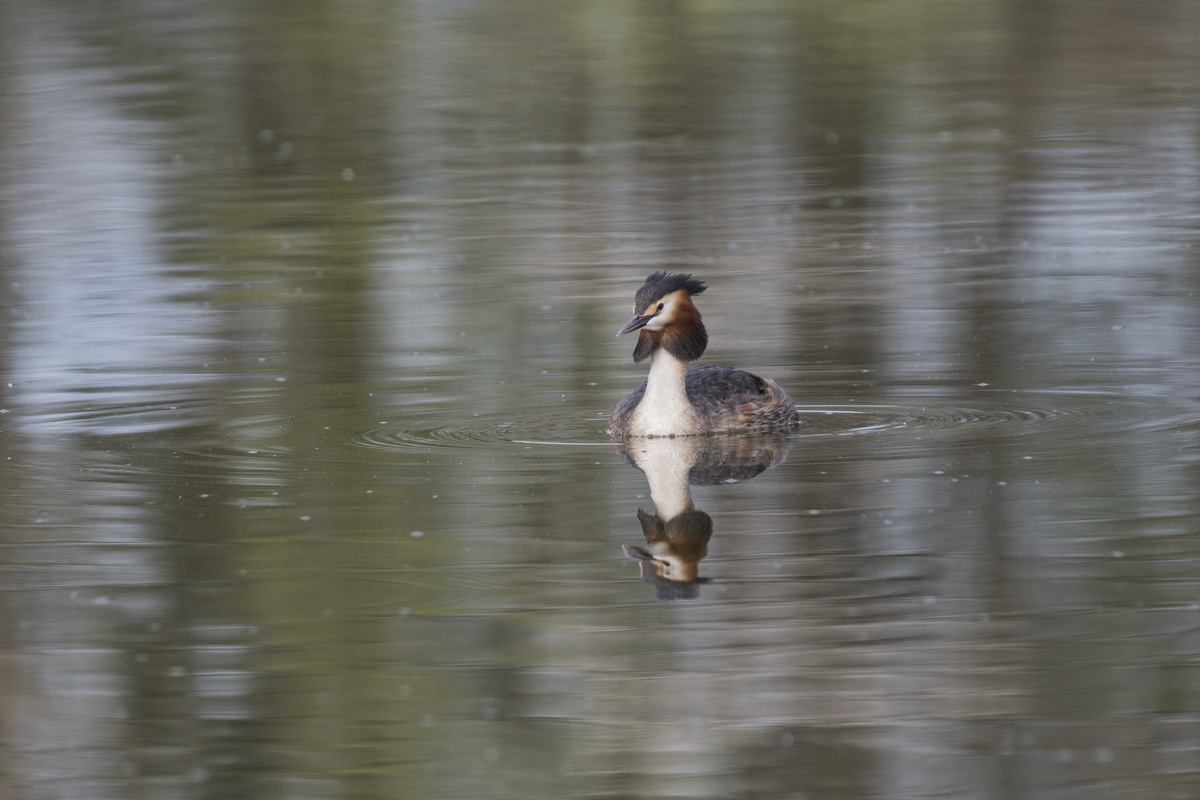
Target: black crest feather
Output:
{"points": [[660, 284]]}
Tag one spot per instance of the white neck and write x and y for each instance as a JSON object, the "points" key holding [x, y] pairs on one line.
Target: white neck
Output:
{"points": [[665, 410]]}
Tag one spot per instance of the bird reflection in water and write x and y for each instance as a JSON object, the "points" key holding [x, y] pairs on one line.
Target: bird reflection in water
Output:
{"points": [[677, 533]]}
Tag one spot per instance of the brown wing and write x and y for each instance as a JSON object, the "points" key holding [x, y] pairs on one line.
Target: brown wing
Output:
{"points": [[732, 399]]}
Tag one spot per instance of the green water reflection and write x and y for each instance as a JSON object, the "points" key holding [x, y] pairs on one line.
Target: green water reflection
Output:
{"points": [[306, 346]]}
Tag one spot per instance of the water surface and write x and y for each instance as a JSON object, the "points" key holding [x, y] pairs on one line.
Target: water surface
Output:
{"points": [[306, 347]]}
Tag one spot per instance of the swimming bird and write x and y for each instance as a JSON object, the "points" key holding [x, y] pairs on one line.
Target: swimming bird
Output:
{"points": [[681, 400]]}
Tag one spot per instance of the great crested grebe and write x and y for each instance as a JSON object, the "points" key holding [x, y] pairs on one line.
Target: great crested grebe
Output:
{"points": [[678, 400]]}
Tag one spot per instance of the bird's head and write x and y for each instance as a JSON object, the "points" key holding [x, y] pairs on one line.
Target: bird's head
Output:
{"points": [[664, 313]]}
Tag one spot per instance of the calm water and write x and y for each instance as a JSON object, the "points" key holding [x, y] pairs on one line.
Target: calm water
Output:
{"points": [[306, 353]]}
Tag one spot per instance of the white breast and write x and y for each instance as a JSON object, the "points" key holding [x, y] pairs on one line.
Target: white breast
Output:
{"points": [[664, 410]]}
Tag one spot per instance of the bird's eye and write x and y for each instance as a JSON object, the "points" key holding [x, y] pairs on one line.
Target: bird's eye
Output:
{"points": [[660, 306]]}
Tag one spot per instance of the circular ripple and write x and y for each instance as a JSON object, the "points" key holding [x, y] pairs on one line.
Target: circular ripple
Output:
{"points": [[840, 421], [1007, 413], [483, 431]]}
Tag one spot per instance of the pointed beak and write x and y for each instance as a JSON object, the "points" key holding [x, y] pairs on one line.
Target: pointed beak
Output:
{"points": [[634, 324], [636, 553]]}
